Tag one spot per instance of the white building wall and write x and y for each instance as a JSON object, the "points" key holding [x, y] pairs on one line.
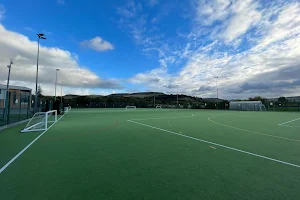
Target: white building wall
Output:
{"points": [[2, 94]]}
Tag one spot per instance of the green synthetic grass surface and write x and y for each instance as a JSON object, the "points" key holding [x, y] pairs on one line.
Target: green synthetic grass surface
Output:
{"points": [[98, 154]]}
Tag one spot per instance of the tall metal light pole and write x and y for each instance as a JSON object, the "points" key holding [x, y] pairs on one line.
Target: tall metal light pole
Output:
{"points": [[217, 91], [177, 96], [61, 92], [7, 90], [55, 84], [154, 100], [40, 36]]}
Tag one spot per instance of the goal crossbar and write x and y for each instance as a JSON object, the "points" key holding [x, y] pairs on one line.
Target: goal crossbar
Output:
{"points": [[130, 107]]}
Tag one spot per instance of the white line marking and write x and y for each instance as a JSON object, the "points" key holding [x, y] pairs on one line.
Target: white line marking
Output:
{"points": [[175, 117], [241, 129], [289, 121], [121, 110], [291, 126], [23, 150], [162, 118], [220, 145]]}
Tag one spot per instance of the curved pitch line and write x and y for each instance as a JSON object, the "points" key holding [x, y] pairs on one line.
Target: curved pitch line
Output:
{"points": [[241, 129]]}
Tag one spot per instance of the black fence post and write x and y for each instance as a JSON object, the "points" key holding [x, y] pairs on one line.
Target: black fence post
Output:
{"points": [[8, 108], [28, 105], [285, 106], [20, 110]]}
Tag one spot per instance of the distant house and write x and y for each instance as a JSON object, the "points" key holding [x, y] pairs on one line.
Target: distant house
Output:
{"points": [[19, 96], [294, 99]]}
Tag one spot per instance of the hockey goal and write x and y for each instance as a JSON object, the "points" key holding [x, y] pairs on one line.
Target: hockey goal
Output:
{"points": [[41, 121], [130, 107]]}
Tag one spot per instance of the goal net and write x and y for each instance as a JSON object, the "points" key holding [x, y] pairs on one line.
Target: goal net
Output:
{"points": [[67, 109], [263, 108], [158, 106], [130, 107], [41, 121], [247, 106]]}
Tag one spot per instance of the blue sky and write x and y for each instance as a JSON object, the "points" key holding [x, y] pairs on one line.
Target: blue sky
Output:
{"points": [[104, 47]]}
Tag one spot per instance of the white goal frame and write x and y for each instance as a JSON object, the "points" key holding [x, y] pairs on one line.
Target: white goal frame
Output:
{"points": [[158, 107], [43, 122], [67, 109], [130, 107]]}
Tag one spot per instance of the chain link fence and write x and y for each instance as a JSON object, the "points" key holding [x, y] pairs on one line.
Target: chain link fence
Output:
{"points": [[19, 105], [15, 107], [283, 106]]}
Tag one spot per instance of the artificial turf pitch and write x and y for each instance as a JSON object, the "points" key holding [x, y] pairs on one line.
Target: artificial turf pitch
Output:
{"points": [[155, 154]]}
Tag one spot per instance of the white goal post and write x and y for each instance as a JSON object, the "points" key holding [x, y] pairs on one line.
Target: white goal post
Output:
{"points": [[41, 121], [67, 109], [130, 107], [158, 107]]}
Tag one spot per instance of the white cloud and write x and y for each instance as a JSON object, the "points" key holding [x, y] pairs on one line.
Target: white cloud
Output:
{"points": [[286, 26], [270, 68], [156, 78], [60, 2], [233, 17], [207, 12], [23, 51], [244, 16], [2, 11], [97, 44], [130, 10], [27, 28]]}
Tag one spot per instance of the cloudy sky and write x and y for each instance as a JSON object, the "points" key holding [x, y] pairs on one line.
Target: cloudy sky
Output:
{"points": [[104, 47]]}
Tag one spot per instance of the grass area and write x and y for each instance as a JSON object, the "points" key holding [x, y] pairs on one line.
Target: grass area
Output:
{"points": [[157, 154]]}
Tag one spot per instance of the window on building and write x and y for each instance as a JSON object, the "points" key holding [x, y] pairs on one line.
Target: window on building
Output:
{"points": [[24, 97], [14, 97]]}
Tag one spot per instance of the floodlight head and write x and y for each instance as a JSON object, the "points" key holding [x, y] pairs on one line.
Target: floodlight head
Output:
{"points": [[57, 70], [41, 34], [43, 38], [11, 61], [8, 66]]}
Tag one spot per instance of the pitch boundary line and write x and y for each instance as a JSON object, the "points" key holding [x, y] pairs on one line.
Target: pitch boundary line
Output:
{"points": [[25, 148], [291, 126], [171, 117], [216, 144], [175, 117], [289, 121], [241, 129], [121, 110]]}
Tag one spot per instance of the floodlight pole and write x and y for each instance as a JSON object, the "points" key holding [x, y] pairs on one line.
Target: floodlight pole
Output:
{"points": [[61, 90], [217, 92], [40, 36], [7, 91], [177, 96], [154, 100], [55, 84]]}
